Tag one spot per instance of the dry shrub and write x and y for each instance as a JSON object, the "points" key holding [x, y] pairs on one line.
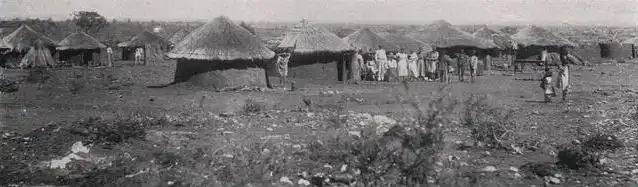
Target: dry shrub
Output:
{"points": [[490, 125], [577, 158], [252, 107], [405, 155], [8, 86], [603, 142]]}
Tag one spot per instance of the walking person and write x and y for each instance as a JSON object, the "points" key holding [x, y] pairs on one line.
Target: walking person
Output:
{"points": [[473, 65]]}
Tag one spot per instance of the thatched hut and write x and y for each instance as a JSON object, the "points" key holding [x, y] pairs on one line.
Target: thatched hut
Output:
{"points": [[81, 49], [532, 40], [442, 34], [366, 40], [406, 42], [317, 54], [154, 46], [23, 40], [502, 40], [221, 54]]}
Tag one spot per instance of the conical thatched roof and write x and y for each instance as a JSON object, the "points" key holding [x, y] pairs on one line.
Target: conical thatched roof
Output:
{"points": [[143, 38], [367, 40], [443, 34], [37, 57], [25, 37], [178, 36], [79, 40], [406, 42], [314, 40], [501, 39], [221, 39], [537, 36]]}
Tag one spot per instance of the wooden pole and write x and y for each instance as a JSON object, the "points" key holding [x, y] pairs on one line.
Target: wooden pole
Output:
{"points": [[344, 72]]}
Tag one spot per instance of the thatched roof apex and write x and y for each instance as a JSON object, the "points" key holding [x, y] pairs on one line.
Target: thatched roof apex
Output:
{"points": [[178, 36], [444, 35], [25, 37], [366, 40], [4, 45], [406, 42], [533, 35], [79, 40], [221, 39], [143, 38], [311, 39], [499, 38]]}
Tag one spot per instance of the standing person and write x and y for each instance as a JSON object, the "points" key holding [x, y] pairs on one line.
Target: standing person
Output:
{"points": [[432, 62], [473, 65], [421, 63], [109, 56], [563, 73], [402, 65], [462, 60], [138, 55], [381, 59], [372, 70], [546, 85], [282, 68], [445, 64], [413, 66], [359, 64], [392, 67]]}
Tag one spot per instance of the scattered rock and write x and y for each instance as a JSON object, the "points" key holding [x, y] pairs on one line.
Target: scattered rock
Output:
{"points": [[296, 146], [355, 133], [552, 180], [514, 169], [489, 169], [285, 180], [269, 129], [303, 182], [344, 168]]}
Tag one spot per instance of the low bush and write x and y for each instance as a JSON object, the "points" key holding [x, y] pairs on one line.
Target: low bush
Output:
{"points": [[252, 107], [490, 125]]}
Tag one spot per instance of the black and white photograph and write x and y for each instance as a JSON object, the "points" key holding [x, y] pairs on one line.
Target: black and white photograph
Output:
{"points": [[338, 93]]}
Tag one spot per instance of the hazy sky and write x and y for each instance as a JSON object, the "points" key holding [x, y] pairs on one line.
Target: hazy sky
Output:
{"points": [[611, 12]]}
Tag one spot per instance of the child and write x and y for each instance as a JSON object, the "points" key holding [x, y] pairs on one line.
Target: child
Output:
{"points": [[546, 85], [473, 65]]}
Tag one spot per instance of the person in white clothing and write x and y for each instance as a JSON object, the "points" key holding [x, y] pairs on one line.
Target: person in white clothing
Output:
{"points": [[138, 55], [402, 65], [473, 65], [109, 56], [381, 60], [412, 65], [392, 68]]}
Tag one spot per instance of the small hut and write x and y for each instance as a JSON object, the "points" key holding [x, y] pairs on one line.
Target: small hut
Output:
{"points": [[81, 49], [366, 40], [532, 40], [23, 40], [317, 54], [502, 40], [154, 46], [221, 54], [406, 42]]}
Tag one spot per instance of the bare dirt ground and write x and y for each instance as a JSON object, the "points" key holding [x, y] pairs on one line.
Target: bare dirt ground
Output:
{"points": [[183, 135]]}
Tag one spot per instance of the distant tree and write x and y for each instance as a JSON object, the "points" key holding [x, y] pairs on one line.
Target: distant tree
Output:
{"points": [[89, 22], [247, 27], [509, 30]]}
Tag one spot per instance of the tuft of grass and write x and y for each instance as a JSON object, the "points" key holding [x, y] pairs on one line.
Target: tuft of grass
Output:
{"points": [[603, 142]]}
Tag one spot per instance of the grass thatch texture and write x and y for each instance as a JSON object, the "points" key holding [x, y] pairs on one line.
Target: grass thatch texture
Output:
{"points": [[4, 45], [221, 74], [405, 42], [537, 36], [79, 40], [144, 38], [221, 39], [367, 40], [501, 39], [443, 35], [315, 40], [178, 36], [25, 37]]}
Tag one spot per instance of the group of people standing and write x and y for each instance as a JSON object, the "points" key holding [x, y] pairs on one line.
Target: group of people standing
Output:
{"points": [[380, 65], [562, 80]]}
